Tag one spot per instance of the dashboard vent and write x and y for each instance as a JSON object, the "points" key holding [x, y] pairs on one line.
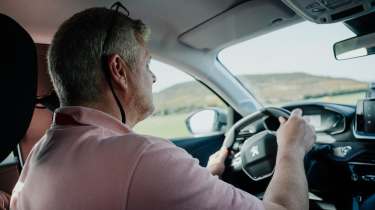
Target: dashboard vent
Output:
{"points": [[347, 13], [365, 158]]}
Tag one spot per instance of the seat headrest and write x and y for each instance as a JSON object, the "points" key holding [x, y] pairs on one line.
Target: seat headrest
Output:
{"points": [[18, 83]]}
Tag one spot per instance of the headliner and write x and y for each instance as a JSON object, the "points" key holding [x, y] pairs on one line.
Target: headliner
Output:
{"points": [[41, 18], [168, 20]]}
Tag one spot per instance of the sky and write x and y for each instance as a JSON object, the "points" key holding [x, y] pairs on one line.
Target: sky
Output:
{"points": [[166, 75], [304, 47]]}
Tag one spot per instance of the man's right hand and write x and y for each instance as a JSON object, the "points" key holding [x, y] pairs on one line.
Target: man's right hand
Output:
{"points": [[295, 134], [288, 187]]}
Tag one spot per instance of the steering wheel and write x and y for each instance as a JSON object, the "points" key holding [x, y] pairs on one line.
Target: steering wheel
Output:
{"points": [[257, 155]]}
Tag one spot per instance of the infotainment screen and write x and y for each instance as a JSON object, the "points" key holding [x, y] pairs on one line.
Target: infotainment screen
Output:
{"points": [[369, 115], [365, 116]]}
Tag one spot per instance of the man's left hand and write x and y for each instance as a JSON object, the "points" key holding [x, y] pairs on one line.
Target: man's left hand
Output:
{"points": [[216, 162]]}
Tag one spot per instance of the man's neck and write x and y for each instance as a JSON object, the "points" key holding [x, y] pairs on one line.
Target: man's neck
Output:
{"points": [[113, 110]]}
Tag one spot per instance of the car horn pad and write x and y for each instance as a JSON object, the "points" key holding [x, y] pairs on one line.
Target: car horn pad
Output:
{"points": [[258, 155]]}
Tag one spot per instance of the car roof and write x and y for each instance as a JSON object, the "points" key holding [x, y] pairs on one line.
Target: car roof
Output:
{"points": [[190, 23], [186, 34]]}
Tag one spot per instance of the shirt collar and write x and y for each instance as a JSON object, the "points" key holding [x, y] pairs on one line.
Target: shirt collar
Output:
{"points": [[79, 115]]}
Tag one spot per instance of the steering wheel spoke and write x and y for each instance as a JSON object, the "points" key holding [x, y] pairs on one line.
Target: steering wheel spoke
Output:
{"points": [[257, 155]]}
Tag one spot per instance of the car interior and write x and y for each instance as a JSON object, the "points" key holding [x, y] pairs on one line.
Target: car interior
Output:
{"points": [[189, 35]]}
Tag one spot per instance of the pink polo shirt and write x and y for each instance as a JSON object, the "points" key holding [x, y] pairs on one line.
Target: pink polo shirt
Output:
{"points": [[90, 160]]}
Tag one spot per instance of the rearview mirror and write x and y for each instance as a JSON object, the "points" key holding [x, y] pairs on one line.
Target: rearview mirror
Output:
{"points": [[206, 121], [355, 47]]}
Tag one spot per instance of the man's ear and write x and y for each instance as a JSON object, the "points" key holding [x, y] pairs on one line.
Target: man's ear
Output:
{"points": [[118, 71]]}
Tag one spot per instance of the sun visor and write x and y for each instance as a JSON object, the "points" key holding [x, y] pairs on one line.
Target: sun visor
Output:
{"points": [[244, 20], [18, 83]]}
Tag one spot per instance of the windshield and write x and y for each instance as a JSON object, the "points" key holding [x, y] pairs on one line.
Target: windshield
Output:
{"points": [[297, 64]]}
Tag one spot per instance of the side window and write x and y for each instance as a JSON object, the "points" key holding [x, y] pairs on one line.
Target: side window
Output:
{"points": [[176, 96]]}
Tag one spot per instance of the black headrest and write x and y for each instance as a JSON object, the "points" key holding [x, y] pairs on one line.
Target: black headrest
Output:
{"points": [[18, 83]]}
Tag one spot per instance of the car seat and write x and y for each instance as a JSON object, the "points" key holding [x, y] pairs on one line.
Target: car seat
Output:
{"points": [[18, 86]]}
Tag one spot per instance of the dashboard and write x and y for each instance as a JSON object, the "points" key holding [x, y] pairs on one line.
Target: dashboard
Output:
{"points": [[329, 120], [346, 161], [340, 163], [326, 121]]}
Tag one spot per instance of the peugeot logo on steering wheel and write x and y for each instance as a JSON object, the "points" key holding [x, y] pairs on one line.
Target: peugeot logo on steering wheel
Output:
{"points": [[254, 151]]}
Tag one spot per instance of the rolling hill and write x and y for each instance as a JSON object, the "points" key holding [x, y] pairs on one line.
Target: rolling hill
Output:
{"points": [[269, 88]]}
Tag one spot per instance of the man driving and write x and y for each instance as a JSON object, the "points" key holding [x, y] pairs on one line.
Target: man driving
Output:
{"points": [[91, 159]]}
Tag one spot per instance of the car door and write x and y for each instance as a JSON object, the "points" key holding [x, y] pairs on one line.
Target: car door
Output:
{"points": [[178, 98], [9, 173], [202, 146]]}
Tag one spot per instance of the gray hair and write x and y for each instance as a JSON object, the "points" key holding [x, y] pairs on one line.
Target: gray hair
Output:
{"points": [[76, 51]]}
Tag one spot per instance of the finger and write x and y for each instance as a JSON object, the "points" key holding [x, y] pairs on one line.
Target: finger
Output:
{"points": [[296, 113], [282, 120], [312, 128], [313, 132], [223, 154], [216, 154]]}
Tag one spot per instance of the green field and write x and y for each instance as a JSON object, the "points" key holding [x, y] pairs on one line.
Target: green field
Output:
{"points": [[350, 99], [173, 125], [169, 126]]}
